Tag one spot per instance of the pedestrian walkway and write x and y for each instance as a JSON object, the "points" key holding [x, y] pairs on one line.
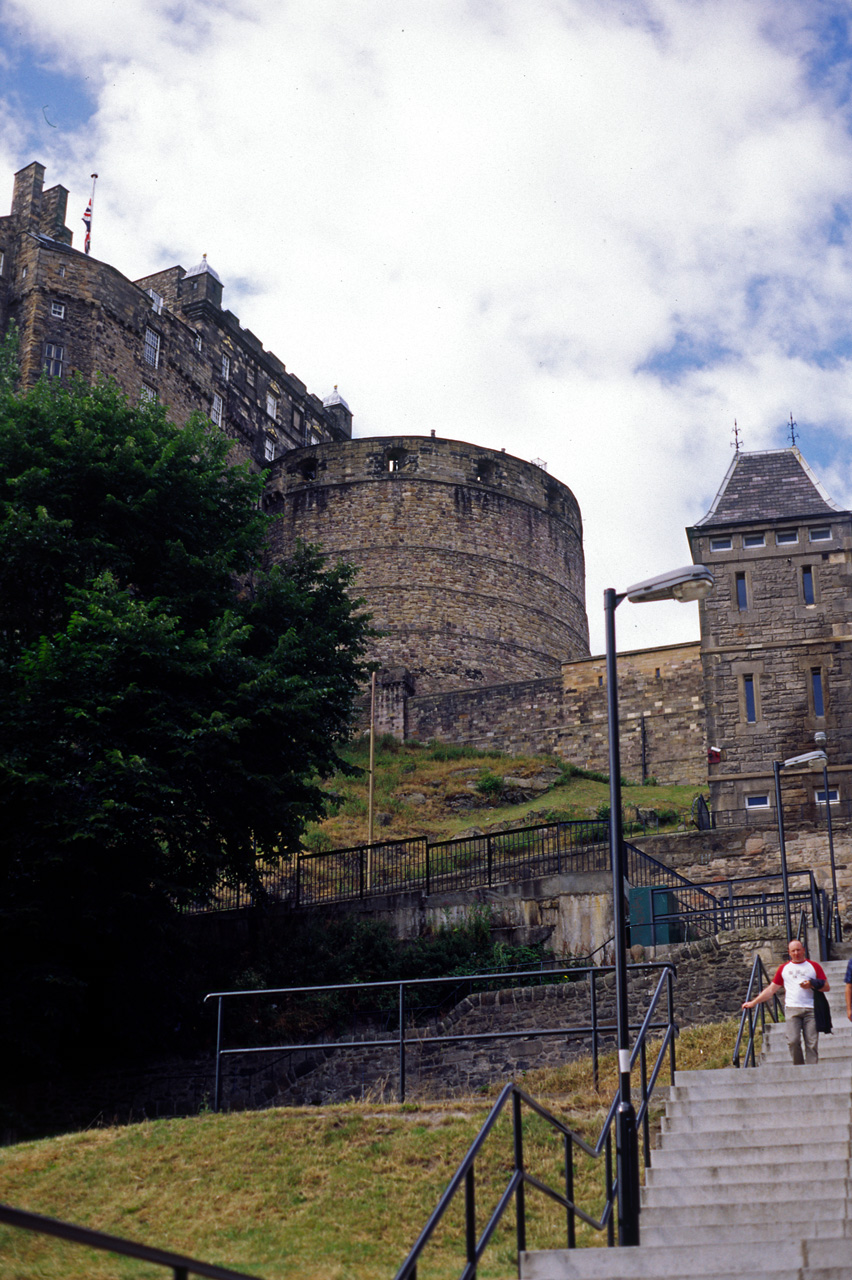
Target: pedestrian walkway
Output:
{"points": [[752, 1176]]}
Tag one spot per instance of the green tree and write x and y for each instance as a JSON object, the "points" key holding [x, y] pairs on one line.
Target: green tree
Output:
{"points": [[169, 702]]}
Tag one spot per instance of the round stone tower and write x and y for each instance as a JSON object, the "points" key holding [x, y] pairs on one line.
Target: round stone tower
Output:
{"points": [[471, 561]]}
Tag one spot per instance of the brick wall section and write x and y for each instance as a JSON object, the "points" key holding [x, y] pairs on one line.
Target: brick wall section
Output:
{"points": [[660, 694], [470, 561]]}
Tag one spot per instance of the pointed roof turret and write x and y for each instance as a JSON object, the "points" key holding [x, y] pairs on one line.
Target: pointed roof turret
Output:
{"points": [[773, 485], [203, 268], [335, 398]]}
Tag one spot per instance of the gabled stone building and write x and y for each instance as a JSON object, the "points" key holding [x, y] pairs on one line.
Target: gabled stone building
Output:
{"points": [[776, 632]]}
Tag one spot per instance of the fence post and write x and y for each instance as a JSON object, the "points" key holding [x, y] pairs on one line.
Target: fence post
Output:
{"points": [[428, 850], [216, 1088], [402, 1042], [490, 857], [298, 877], [361, 857]]}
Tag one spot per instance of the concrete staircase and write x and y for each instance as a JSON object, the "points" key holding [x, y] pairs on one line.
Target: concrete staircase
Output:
{"points": [[752, 1177]]}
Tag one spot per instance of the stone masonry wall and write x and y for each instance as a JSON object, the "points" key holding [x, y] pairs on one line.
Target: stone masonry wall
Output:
{"points": [[660, 704], [470, 561]]}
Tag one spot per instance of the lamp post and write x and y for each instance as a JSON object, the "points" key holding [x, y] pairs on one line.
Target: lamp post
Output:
{"points": [[690, 583], [810, 760]]}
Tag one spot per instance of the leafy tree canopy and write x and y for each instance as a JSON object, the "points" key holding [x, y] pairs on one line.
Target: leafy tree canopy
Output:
{"points": [[168, 701]]}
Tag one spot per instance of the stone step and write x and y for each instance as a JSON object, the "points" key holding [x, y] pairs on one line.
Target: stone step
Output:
{"points": [[767, 1258], [790, 1136], [836, 1172], [761, 1109], [775, 1217], [672, 1155], [820, 1229], [760, 1077]]}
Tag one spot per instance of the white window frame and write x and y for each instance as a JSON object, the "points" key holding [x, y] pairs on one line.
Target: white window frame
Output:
{"points": [[53, 359], [156, 301], [757, 802], [199, 342], [57, 310], [833, 796], [822, 534], [786, 537], [2, 262], [753, 540], [272, 405], [151, 348], [268, 448], [720, 544], [148, 395], [217, 409], [226, 368]]}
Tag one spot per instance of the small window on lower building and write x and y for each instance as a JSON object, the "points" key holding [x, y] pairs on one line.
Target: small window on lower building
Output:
{"points": [[57, 310], [742, 592], [833, 796], [52, 361], [720, 544], [808, 584], [151, 349], [62, 271], [754, 540], [217, 410], [750, 699], [757, 802], [148, 395], [820, 535], [268, 448], [784, 537], [817, 692]]}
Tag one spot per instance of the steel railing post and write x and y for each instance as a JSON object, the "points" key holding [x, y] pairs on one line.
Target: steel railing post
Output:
{"points": [[470, 1221], [402, 1042], [217, 1085], [569, 1191], [490, 858], [520, 1200]]}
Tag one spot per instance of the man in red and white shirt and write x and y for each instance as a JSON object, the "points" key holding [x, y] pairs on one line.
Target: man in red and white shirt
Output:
{"points": [[798, 979]]}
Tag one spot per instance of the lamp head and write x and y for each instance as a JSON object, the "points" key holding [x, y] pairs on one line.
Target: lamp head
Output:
{"points": [[690, 583], [810, 760]]}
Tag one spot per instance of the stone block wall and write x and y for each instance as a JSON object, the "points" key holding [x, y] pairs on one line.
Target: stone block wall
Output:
{"points": [[470, 561]]}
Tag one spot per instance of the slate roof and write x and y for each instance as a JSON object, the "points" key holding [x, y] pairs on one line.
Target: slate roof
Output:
{"points": [[773, 485]]}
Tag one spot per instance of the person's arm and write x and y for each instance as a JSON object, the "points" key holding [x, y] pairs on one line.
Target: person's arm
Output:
{"points": [[766, 994], [821, 983], [849, 1001]]}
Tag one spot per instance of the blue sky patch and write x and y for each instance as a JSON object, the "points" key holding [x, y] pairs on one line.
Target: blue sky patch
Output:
{"points": [[44, 103], [684, 355]]}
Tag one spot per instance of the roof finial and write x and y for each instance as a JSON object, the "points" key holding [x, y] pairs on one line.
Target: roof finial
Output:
{"points": [[793, 426], [736, 434]]}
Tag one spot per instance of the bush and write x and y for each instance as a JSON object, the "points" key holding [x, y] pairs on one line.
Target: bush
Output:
{"points": [[489, 784]]}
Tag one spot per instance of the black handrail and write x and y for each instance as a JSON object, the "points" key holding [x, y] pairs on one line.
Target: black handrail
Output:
{"points": [[181, 1266], [761, 978], [520, 1178], [595, 1028]]}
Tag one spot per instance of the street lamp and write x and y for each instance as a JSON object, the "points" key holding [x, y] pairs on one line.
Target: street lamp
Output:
{"points": [[810, 760], [690, 583]]}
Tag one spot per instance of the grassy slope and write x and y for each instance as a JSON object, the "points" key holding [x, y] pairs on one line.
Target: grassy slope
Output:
{"points": [[419, 789], [338, 1193]]}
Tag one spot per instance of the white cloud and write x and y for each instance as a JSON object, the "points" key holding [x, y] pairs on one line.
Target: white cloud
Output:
{"points": [[487, 219]]}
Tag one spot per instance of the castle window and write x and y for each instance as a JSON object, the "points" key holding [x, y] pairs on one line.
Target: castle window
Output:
{"points": [[749, 699], [720, 544], [23, 273], [198, 341], [226, 368], [483, 472], [833, 796], [147, 395], [272, 405], [156, 301], [784, 537], [757, 802], [754, 540], [308, 469], [820, 535], [817, 692], [152, 348], [250, 375], [53, 359], [57, 310], [656, 673], [394, 459], [808, 585], [268, 448], [742, 592], [61, 270], [217, 410], [2, 262], [313, 437]]}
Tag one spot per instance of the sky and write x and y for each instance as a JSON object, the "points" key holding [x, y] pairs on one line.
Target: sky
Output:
{"points": [[594, 234]]}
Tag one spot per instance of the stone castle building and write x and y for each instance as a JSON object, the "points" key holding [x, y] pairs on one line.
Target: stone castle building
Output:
{"points": [[471, 561]]}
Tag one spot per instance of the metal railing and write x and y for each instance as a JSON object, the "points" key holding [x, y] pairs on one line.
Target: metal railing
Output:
{"points": [[406, 1036], [475, 1240], [812, 811], [754, 1018], [180, 1266]]}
